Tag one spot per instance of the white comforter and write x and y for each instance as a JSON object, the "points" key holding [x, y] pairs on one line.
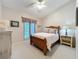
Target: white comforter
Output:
{"points": [[50, 37]]}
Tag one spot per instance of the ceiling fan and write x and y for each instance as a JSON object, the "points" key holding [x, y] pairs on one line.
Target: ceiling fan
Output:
{"points": [[37, 3]]}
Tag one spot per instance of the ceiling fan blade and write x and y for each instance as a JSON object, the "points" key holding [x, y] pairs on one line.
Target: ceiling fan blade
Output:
{"points": [[29, 5], [34, 2]]}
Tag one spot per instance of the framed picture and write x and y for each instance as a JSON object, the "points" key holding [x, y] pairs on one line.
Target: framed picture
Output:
{"points": [[14, 23], [76, 16]]}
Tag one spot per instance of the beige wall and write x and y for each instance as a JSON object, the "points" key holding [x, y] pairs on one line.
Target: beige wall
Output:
{"points": [[0, 9], [77, 45], [10, 14], [62, 16], [39, 25]]}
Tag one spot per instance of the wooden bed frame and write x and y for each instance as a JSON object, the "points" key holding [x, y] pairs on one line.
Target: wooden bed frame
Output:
{"points": [[42, 43]]}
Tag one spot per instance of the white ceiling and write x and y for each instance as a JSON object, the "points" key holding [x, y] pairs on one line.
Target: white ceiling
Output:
{"points": [[52, 5]]}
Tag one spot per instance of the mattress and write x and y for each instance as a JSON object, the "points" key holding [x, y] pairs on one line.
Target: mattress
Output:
{"points": [[50, 37]]}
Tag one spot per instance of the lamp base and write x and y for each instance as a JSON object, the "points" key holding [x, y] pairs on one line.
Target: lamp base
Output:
{"points": [[66, 32]]}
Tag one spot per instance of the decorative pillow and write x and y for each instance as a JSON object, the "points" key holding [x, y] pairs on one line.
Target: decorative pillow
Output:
{"points": [[45, 30], [53, 31]]}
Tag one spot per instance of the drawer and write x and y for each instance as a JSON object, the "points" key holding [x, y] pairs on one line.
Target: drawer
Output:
{"points": [[68, 41], [65, 37]]}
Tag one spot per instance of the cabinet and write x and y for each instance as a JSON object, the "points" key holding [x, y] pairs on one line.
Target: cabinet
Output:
{"points": [[68, 40], [5, 44]]}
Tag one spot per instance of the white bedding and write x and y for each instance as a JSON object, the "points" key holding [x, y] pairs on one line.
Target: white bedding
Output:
{"points": [[50, 37]]}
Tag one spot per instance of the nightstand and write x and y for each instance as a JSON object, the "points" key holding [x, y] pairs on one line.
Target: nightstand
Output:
{"points": [[66, 40]]}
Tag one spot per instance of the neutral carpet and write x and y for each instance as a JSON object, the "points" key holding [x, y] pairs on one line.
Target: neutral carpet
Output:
{"points": [[23, 50]]}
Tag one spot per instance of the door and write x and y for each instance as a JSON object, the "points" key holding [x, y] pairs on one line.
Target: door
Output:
{"points": [[32, 28], [29, 29], [26, 31]]}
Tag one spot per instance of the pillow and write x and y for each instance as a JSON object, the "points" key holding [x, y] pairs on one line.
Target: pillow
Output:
{"points": [[55, 31], [45, 30]]}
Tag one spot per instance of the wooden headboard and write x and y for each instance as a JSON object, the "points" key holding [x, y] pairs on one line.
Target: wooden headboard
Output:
{"points": [[55, 27]]}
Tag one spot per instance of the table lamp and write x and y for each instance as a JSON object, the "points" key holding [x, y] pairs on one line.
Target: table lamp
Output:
{"points": [[67, 28]]}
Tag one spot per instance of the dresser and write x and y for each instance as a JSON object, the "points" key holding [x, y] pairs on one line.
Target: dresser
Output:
{"points": [[5, 44]]}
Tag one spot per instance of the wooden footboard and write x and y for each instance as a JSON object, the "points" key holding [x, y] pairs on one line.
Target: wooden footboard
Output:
{"points": [[41, 43]]}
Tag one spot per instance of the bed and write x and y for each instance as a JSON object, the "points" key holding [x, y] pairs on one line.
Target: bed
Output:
{"points": [[45, 41]]}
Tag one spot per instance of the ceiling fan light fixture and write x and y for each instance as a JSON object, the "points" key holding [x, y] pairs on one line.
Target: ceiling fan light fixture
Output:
{"points": [[40, 6]]}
